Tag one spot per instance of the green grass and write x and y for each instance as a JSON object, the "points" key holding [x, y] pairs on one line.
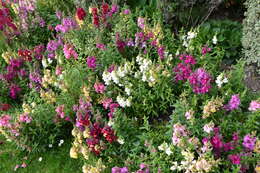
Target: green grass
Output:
{"points": [[55, 160]]}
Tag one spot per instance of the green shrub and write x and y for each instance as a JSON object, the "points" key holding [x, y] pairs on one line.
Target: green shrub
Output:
{"points": [[251, 36]]}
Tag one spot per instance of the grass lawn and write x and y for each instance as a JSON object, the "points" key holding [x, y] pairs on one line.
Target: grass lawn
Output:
{"points": [[56, 160]]}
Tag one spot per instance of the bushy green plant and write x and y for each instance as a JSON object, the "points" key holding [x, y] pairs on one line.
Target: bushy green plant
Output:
{"points": [[251, 38]]}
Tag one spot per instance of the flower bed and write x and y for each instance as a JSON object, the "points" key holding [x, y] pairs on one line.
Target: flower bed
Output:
{"points": [[131, 95]]}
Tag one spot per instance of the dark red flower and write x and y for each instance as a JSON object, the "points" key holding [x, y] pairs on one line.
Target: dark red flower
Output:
{"points": [[4, 107], [81, 14]]}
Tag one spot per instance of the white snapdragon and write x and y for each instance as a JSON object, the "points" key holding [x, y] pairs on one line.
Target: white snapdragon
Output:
{"points": [[124, 102], [115, 76], [191, 35], [166, 148], [221, 80], [215, 40], [44, 63], [121, 141], [106, 76]]}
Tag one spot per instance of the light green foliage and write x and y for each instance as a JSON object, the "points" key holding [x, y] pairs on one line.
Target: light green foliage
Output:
{"points": [[251, 32]]}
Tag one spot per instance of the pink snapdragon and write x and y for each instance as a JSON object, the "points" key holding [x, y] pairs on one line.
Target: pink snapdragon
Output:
{"points": [[200, 81], [91, 62], [249, 142], [107, 102], [235, 159], [119, 170], [60, 111], [5, 121], [101, 46], [25, 118], [99, 87], [254, 106], [233, 103], [141, 22], [69, 51], [205, 50], [178, 132]]}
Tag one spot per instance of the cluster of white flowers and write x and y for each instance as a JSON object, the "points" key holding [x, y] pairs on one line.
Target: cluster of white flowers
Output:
{"points": [[187, 38], [117, 74], [146, 70], [190, 164], [221, 79], [166, 148], [124, 102]]}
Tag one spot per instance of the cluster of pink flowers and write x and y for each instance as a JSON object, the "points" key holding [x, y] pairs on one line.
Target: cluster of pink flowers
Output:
{"points": [[69, 51], [141, 22], [5, 121], [99, 87], [14, 69], [60, 111], [233, 103], [200, 81], [67, 25], [235, 159], [249, 142], [119, 170], [101, 46], [91, 62], [108, 104], [179, 131], [183, 70], [25, 118], [38, 51], [205, 50], [14, 91], [254, 105]]}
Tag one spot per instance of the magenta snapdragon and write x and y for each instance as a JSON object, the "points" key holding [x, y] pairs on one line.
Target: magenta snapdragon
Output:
{"points": [[200, 81], [233, 103], [91, 62], [25, 118], [235, 159], [69, 51], [99, 87], [5, 121], [249, 142]]}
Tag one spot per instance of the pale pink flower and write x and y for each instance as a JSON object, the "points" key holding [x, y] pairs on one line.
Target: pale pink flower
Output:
{"points": [[25, 118], [254, 105], [5, 121], [99, 87]]}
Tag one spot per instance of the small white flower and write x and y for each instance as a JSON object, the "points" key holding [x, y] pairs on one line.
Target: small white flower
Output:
{"points": [[215, 40], [121, 141], [110, 123], [168, 151], [44, 63], [40, 159], [50, 145], [61, 142], [50, 60], [127, 90], [191, 35], [221, 80]]}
